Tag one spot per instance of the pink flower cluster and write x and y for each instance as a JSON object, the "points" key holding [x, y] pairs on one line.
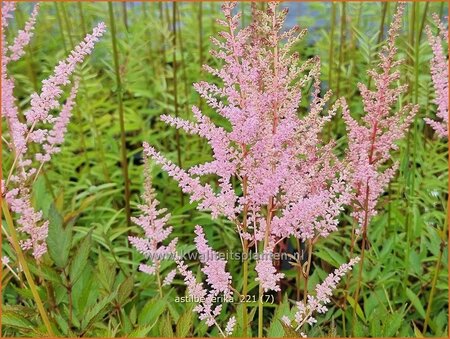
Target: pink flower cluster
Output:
{"points": [[316, 303], [214, 267], [267, 273], [218, 279], [291, 182], [371, 141], [23, 170], [153, 222], [439, 75]]}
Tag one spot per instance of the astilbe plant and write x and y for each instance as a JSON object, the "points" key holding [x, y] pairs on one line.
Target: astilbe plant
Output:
{"points": [[290, 182], [35, 136], [439, 75]]}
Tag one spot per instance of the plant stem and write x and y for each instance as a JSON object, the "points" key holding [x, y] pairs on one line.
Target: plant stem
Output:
{"points": [[299, 268], [68, 25], [308, 268], [158, 277], [331, 54], [26, 270], [433, 288], [183, 65], [422, 24], [175, 87], [341, 49], [358, 286], [58, 15], [260, 311], [331, 50], [411, 165], [245, 289], [83, 23], [124, 162], [383, 18], [245, 258], [200, 45], [125, 15]]}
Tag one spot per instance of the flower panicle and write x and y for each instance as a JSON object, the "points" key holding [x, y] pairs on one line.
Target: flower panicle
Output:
{"points": [[23, 170], [305, 311], [153, 222], [372, 140], [439, 76]]}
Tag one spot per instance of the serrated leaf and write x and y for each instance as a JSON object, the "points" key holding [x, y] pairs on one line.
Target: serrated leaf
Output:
{"points": [[97, 311], [184, 324], [141, 331], [416, 302], [152, 310], [124, 290], [80, 259], [59, 238], [359, 311], [46, 272], [13, 319], [392, 324], [165, 327], [106, 272], [289, 332], [375, 324]]}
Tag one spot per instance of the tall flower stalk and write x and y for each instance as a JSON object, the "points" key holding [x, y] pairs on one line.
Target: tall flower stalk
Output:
{"points": [[372, 140], [290, 183]]}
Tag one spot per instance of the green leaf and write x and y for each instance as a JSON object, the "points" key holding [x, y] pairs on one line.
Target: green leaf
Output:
{"points": [[359, 330], [165, 327], [59, 238], [46, 272], [375, 323], [276, 329], [133, 314], [152, 310], [42, 200], [62, 323], [106, 272], [240, 320], [80, 259], [127, 326], [392, 324], [97, 311], [13, 319], [359, 311], [141, 331], [124, 290], [184, 324], [415, 302], [289, 332]]}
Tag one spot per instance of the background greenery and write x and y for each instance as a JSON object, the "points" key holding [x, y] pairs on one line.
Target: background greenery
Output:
{"points": [[89, 280]]}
